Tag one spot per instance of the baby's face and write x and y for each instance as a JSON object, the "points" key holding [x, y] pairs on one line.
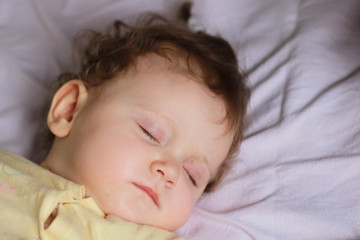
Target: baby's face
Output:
{"points": [[147, 147]]}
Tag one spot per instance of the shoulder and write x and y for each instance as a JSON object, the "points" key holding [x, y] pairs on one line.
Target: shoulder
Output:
{"points": [[10, 161]]}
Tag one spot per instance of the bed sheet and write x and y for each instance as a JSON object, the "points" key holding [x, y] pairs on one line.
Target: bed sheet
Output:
{"points": [[298, 171], [297, 175]]}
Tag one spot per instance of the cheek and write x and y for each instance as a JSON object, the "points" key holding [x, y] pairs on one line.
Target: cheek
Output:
{"points": [[181, 207], [107, 155], [117, 155]]}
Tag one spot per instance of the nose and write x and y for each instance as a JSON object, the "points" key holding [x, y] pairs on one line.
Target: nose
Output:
{"points": [[167, 170]]}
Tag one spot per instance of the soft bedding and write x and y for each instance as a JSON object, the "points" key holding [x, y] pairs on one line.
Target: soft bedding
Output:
{"points": [[297, 175]]}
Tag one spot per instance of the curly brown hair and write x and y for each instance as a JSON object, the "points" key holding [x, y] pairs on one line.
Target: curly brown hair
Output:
{"points": [[106, 55]]}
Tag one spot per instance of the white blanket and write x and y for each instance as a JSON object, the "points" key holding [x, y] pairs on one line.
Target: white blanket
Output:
{"points": [[298, 172]]}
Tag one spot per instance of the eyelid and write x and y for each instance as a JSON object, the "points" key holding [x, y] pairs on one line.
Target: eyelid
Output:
{"points": [[149, 134], [191, 178], [192, 169], [153, 126]]}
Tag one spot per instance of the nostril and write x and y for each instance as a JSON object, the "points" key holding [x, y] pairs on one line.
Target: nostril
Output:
{"points": [[169, 184], [167, 171], [160, 172]]}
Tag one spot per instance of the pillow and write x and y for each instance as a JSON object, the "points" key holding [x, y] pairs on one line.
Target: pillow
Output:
{"points": [[297, 173], [298, 170]]}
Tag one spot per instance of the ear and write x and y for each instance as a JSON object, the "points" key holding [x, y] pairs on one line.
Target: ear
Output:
{"points": [[66, 103]]}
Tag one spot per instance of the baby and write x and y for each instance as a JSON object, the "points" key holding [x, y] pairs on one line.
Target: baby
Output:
{"points": [[149, 122]]}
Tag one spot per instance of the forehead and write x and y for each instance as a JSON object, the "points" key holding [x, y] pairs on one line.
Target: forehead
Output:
{"points": [[167, 88], [179, 86]]}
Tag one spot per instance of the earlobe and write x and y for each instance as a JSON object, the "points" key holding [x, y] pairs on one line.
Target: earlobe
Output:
{"points": [[66, 103]]}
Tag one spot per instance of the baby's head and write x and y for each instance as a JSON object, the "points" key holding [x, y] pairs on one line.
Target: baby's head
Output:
{"points": [[149, 121]]}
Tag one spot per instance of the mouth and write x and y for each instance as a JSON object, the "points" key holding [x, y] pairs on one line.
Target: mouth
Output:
{"points": [[151, 193]]}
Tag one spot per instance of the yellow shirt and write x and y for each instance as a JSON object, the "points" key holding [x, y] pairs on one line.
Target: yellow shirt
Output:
{"points": [[29, 194]]}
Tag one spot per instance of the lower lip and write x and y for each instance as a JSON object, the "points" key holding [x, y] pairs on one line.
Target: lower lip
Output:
{"points": [[148, 192]]}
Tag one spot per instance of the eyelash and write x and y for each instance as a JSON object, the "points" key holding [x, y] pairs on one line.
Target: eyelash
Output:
{"points": [[149, 135], [191, 178]]}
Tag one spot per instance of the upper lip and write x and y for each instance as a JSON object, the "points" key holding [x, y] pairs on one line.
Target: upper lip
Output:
{"points": [[150, 192]]}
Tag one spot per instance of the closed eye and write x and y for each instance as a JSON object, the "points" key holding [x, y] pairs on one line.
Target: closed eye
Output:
{"points": [[149, 135], [191, 178]]}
